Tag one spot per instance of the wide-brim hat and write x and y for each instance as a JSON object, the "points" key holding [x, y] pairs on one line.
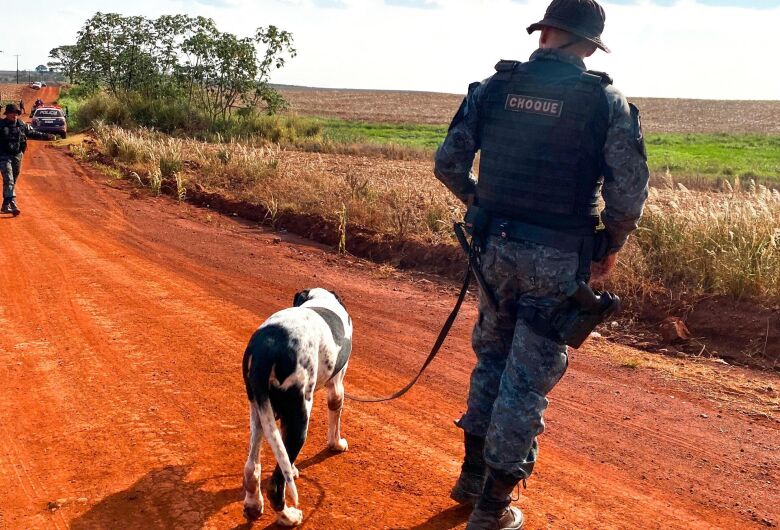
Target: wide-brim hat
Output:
{"points": [[11, 107], [583, 18]]}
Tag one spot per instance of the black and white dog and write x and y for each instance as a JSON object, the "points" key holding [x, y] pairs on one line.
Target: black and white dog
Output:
{"points": [[292, 354]]}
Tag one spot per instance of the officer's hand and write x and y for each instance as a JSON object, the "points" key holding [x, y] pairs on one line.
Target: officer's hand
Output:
{"points": [[601, 269], [52, 137]]}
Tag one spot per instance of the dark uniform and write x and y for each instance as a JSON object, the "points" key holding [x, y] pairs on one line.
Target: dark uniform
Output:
{"points": [[553, 138], [13, 143]]}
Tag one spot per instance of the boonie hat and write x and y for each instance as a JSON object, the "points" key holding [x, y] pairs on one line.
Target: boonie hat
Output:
{"points": [[11, 107], [583, 18]]}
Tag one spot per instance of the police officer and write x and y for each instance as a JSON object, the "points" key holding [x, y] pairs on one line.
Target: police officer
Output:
{"points": [[552, 137], [13, 143]]}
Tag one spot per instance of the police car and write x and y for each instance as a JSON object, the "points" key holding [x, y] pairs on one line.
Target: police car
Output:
{"points": [[50, 119], [36, 85]]}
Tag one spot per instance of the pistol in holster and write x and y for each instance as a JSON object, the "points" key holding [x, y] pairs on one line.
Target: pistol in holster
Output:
{"points": [[574, 319]]}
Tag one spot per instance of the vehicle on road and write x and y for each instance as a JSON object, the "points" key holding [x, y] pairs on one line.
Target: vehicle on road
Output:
{"points": [[37, 85], [50, 119]]}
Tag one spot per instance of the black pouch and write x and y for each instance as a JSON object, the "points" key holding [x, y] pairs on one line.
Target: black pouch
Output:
{"points": [[476, 221], [573, 321]]}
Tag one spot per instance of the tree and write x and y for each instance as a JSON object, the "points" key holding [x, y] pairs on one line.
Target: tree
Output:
{"points": [[65, 59], [41, 69], [177, 55]]}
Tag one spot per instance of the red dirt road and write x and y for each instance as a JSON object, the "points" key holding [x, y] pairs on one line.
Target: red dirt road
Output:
{"points": [[122, 323]]}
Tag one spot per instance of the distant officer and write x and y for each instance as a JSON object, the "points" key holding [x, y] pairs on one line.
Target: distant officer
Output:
{"points": [[553, 137], [13, 143], [21, 106]]}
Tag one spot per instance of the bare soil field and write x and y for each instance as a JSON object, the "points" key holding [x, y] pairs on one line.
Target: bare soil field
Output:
{"points": [[11, 92], [659, 115]]}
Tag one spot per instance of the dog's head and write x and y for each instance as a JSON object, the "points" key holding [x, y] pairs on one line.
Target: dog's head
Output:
{"points": [[313, 294]]}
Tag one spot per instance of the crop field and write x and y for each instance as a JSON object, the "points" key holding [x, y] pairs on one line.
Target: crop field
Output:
{"points": [[10, 93], [658, 115], [700, 141]]}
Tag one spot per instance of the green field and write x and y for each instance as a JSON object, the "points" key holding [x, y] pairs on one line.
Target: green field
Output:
{"points": [[723, 155], [705, 155], [408, 135]]}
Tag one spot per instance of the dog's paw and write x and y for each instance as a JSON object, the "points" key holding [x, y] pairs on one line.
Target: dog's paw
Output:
{"points": [[296, 473], [252, 512], [339, 446], [289, 516]]}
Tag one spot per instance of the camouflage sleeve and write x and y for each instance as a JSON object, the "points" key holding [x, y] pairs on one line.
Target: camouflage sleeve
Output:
{"points": [[626, 174], [455, 157], [29, 132]]}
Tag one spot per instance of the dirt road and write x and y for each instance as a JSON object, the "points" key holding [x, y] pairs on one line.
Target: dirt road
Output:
{"points": [[122, 323]]}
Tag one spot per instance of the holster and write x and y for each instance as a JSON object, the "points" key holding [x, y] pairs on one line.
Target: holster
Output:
{"points": [[475, 224], [573, 320]]}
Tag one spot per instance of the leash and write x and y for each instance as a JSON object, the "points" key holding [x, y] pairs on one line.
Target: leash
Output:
{"points": [[434, 351]]}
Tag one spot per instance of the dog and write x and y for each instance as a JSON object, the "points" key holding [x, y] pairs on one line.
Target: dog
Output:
{"points": [[295, 352]]}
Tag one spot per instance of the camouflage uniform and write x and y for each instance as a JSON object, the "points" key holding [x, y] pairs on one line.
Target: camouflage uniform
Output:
{"points": [[11, 162], [516, 368]]}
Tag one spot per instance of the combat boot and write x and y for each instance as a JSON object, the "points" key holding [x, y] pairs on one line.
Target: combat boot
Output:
{"points": [[492, 511], [469, 486], [13, 208], [5, 208]]}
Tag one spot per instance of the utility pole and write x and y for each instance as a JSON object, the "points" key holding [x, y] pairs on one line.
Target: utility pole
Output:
{"points": [[17, 67]]}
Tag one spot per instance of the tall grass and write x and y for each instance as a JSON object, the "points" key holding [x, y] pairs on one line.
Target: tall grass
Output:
{"points": [[724, 242], [163, 159], [704, 242]]}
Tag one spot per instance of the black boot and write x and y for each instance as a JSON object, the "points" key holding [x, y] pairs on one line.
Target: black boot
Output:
{"points": [[492, 511], [469, 486], [13, 208], [5, 209]]}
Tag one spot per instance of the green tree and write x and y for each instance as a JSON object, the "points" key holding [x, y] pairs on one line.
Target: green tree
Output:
{"points": [[65, 59], [177, 56]]}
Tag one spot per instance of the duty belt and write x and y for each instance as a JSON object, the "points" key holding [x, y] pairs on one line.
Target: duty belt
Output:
{"points": [[582, 244], [520, 231]]}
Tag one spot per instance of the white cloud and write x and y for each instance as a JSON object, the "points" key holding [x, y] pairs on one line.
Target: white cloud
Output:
{"points": [[688, 50]]}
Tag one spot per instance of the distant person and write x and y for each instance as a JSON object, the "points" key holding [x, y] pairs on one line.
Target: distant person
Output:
{"points": [[552, 137], [21, 106], [13, 143]]}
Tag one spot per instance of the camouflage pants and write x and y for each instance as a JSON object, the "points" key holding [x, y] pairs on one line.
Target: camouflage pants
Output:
{"points": [[516, 368], [10, 167]]}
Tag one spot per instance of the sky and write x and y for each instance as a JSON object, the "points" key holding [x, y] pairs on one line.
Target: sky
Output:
{"points": [[709, 49]]}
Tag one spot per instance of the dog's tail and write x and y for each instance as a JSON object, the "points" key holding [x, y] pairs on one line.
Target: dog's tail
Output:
{"points": [[260, 357]]}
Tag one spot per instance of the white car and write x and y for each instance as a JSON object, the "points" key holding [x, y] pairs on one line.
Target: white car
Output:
{"points": [[36, 85]]}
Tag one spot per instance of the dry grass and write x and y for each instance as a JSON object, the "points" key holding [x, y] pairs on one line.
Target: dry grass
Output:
{"points": [[695, 243], [706, 242], [659, 115], [396, 197]]}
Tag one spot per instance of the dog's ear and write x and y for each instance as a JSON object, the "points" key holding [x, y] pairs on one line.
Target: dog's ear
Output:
{"points": [[300, 298], [338, 299]]}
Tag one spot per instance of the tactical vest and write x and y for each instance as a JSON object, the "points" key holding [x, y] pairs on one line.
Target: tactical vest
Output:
{"points": [[12, 138], [543, 125]]}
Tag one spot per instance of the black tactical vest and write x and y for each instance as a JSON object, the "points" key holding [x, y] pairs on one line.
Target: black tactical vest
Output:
{"points": [[543, 125], [12, 138]]}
